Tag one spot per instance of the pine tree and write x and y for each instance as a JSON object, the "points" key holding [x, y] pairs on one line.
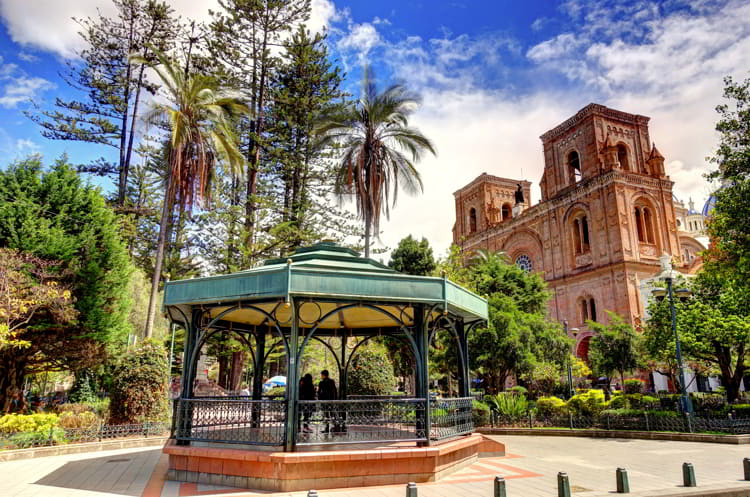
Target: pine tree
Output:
{"points": [[112, 84]]}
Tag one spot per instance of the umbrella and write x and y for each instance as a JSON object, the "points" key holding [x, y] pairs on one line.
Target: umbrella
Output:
{"points": [[279, 380]]}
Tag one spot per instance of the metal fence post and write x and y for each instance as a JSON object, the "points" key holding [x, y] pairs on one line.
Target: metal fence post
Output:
{"points": [[499, 487], [746, 468], [570, 420], [563, 485], [411, 489], [623, 486], [688, 475], [646, 415], [531, 420]]}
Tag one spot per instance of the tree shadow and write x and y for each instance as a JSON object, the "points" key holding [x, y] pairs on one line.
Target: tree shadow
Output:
{"points": [[123, 474]]}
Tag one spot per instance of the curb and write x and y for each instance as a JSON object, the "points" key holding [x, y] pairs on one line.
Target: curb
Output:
{"points": [[644, 435], [60, 450]]}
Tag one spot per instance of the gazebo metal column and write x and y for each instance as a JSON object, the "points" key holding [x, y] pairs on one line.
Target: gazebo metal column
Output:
{"points": [[184, 412], [463, 362], [422, 337], [292, 379]]}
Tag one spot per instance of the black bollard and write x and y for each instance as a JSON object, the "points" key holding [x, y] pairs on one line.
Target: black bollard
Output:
{"points": [[411, 489], [500, 487], [563, 485], [688, 475], [746, 468], [312, 493], [623, 486]]}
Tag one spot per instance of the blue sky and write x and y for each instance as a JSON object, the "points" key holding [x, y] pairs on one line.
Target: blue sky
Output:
{"points": [[494, 76]]}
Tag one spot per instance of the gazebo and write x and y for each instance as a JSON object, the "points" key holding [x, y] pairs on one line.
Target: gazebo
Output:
{"points": [[319, 292]]}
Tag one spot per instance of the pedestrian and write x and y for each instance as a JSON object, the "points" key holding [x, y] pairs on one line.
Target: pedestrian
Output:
{"points": [[327, 392], [307, 392]]}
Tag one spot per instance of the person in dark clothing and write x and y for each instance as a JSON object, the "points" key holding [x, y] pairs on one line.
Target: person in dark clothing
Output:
{"points": [[327, 391], [307, 392]]}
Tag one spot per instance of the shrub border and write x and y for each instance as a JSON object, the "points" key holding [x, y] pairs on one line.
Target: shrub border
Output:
{"points": [[643, 435], [61, 450]]}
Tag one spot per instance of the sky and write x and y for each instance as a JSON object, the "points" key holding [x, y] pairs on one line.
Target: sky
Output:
{"points": [[493, 74]]}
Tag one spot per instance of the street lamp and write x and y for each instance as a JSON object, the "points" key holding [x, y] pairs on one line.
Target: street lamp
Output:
{"points": [[574, 332], [667, 274]]}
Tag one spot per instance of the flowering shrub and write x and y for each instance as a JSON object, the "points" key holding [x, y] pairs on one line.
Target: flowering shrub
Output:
{"points": [[139, 386], [15, 423]]}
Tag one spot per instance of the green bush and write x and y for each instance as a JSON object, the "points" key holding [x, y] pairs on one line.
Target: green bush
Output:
{"points": [[633, 385], [16, 423], [586, 404], [550, 406], [480, 413], [508, 404], [707, 401], [617, 402], [84, 387], [276, 391], [139, 386], [519, 390], [371, 373], [48, 436], [621, 412], [740, 410]]}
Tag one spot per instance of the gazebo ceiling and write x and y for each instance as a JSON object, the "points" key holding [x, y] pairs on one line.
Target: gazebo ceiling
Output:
{"points": [[322, 277]]}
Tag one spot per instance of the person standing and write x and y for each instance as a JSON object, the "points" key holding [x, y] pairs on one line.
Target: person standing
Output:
{"points": [[307, 392], [327, 391]]}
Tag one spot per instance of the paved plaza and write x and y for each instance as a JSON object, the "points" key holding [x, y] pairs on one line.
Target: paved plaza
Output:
{"points": [[530, 469]]}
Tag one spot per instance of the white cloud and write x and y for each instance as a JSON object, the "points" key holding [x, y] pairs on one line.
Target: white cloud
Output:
{"points": [[26, 147], [361, 38], [23, 88], [46, 24], [27, 57]]}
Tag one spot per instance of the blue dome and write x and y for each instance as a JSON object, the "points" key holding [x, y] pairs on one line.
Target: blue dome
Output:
{"points": [[708, 207]]}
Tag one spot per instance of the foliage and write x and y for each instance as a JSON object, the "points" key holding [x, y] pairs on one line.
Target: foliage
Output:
{"points": [[550, 406], [544, 379], [84, 387], [705, 401], [139, 390], [614, 347], [633, 385], [480, 413], [519, 390], [53, 216], [14, 423], [518, 337], [379, 150], [579, 367], [371, 372], [588, 403], [86, 419], [511, 405], [43, 436], [413, 257]]}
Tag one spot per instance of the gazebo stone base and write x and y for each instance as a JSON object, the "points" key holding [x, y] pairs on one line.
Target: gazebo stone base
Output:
{"points": [[294, 471]]}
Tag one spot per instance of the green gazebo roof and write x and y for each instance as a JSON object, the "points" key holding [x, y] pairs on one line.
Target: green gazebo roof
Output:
{"points": [[325, 272]]}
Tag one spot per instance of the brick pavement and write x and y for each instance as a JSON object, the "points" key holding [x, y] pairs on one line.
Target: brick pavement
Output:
{"points": [[530, 470]]}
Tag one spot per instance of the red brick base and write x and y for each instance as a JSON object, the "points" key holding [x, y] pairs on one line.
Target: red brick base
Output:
{"points": [[292, 471]]}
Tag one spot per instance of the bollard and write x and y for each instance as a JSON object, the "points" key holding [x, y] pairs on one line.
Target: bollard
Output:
{"points": [[500, 487], [411, 489], [312, 493], [746, 468], [563, 485], [688, 475], [623, 486]]}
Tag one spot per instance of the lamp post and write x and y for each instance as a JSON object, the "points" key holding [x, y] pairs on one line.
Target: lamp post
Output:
{"points": [[667, 275], [574, 331]]}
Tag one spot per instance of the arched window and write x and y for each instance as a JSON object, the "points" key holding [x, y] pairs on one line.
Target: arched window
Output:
{"points": [[584, 311], [524, 262], [592, 305], [574, 166], [622, 157], [507, 212], [644, 224], [580, 234], [472, 220]]}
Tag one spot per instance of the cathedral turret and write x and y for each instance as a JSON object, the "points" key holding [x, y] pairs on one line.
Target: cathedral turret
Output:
{"points": [[655, 162]]}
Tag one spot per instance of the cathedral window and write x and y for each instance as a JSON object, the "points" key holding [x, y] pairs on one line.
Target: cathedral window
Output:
{"points": [[587, 308], [592, 306], [581, 234], [472, 220], [644, 225], [574, 166], [524, 262], [622, 157], [507, 212]]}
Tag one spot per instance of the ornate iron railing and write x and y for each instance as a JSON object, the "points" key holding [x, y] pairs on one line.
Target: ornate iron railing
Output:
{"points": [[450, 417], [250, 422], [636, 422], [94, 433], [360, 421]]}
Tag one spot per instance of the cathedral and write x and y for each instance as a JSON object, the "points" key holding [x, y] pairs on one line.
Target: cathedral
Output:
{"points": [[606, 215]]}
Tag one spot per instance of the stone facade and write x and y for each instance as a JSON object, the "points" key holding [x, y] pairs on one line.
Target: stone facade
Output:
{"points": [[606, 215]]}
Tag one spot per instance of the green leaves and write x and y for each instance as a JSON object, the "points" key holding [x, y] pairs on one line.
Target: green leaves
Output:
{"points": [[614, 347], [413, 257]]}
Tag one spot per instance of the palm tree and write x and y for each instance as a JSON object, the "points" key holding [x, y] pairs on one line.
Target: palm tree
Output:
{"points": [[199, 115], [375, 135]]}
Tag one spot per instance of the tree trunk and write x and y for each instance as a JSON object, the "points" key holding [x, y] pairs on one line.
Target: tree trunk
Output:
{"points": [[368, 220], [158, 262], [238, 364], [12, 372], [223, 371]]}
